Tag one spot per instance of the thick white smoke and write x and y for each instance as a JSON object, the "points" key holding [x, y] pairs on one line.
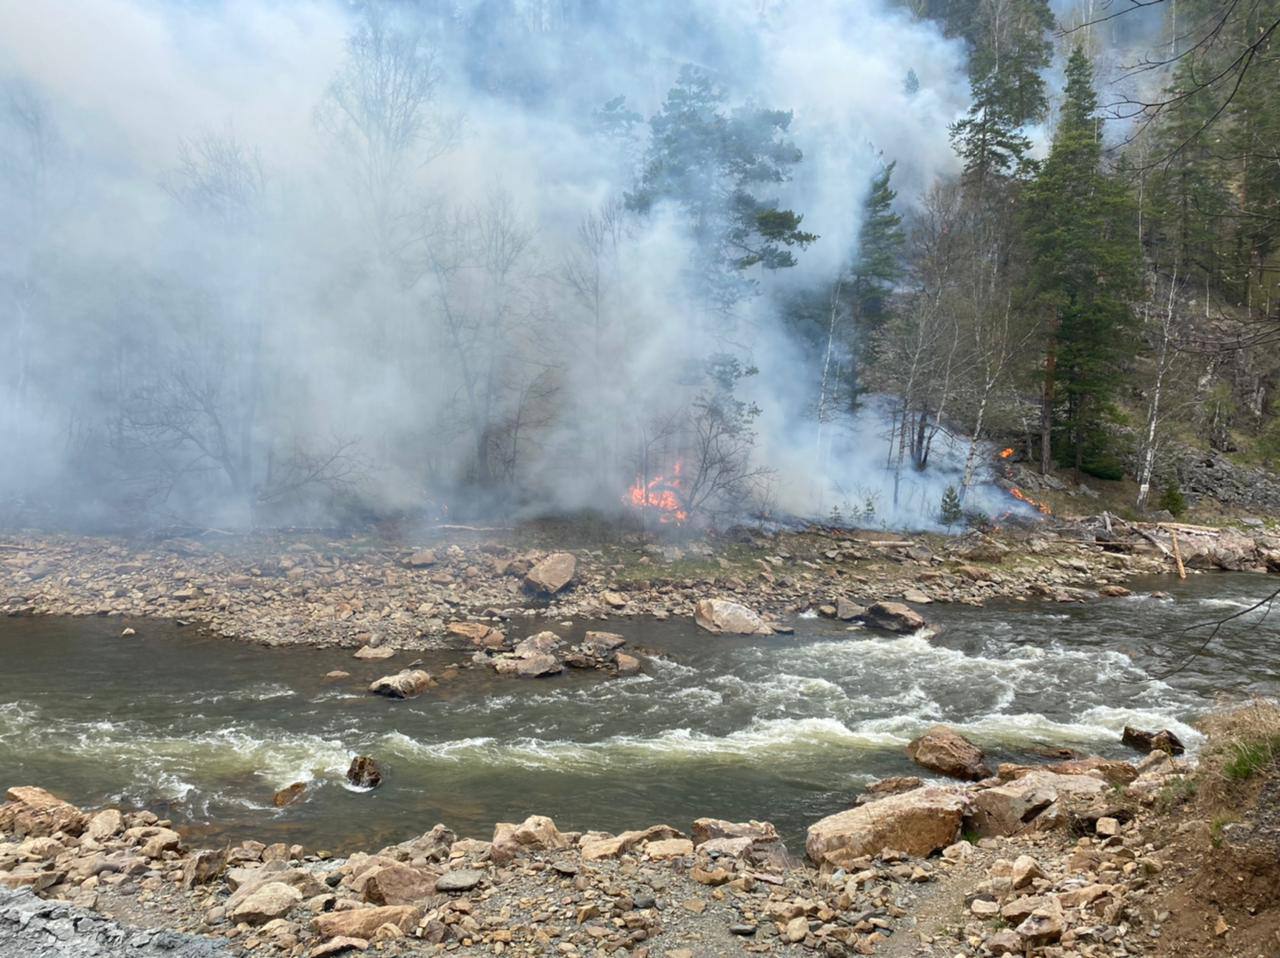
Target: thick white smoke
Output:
{"points": [[135, 295]]}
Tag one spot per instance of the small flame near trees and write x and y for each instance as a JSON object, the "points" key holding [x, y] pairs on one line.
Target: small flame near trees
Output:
{"points": [[662, 495], [1021, 496], [1043, 508]]}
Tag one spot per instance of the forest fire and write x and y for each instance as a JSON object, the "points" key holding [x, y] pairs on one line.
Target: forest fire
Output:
{"points": [[662, 495], [1006, 453], [1023, 497]]}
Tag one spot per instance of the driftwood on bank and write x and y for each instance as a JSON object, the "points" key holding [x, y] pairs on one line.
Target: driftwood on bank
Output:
{"points": [[1184, 544]]}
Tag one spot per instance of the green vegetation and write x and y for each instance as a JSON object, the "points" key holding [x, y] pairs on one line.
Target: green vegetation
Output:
{"points": [[1249, 758], [951, 512], [1172, 500]]}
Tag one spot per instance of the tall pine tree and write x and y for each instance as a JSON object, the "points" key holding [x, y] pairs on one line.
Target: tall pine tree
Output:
{"points": [[876, 270], [714, 163], [1084, 268], [1010, 45]]}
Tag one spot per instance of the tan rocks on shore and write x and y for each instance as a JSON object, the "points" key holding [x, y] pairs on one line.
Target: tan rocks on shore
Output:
{"points": [[918, 822], [553, 573]]}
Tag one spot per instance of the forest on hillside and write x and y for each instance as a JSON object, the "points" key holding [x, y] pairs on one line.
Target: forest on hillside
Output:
{"points": [[312, 263]]}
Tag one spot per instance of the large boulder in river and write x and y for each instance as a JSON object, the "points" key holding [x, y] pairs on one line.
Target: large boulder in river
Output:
{"points": [[538, 644], [893, 617], [538, 665], [945, 750], [364, 772], [287, 796], [602, 643], [918, 822], [724, 617], [553, 573], [1163, 741], [402, 685]]}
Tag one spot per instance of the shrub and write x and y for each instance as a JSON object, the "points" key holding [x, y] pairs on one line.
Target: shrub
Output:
{"points": [[951, 511], [1172, 500]]}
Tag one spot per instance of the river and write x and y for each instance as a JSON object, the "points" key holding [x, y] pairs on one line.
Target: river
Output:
{"points": [[784, 728]]}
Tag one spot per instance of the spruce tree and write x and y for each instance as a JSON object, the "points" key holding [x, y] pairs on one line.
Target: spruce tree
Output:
{"points": [[877, 269], [951, 512], [1189, 191], [714, 163], [1009, 47], [1079, 227]]}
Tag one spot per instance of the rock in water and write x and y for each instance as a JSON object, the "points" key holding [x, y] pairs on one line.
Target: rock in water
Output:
{"points": [[372, 653], [724, 617], [944, 750], [602, 643], [918, 822], [847, 611], [537, 644], [893, 617], [537, 665], [553, 573], [402, 685], [287, 796], [1163, 741], [894, 785], [364, 772], [420, 560]]}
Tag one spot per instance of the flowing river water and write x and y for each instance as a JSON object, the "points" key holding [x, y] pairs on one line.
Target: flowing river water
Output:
{"points": [[785, 728]]}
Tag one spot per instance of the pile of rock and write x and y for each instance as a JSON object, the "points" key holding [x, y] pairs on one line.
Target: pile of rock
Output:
{"points": [[546, 654]]}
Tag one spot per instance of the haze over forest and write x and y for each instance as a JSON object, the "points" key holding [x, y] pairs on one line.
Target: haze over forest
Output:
{"points": [[298, 262]]}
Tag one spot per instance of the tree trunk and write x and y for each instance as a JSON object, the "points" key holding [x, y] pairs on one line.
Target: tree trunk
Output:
{"points": [[1046, 400]]}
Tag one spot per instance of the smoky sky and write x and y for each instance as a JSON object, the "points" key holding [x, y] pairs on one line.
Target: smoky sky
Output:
{"points": [[206, 306]]}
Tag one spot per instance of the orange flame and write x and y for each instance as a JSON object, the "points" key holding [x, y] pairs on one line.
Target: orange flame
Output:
{"points": [[1019, 494], [1006, 453], [662, 494]]}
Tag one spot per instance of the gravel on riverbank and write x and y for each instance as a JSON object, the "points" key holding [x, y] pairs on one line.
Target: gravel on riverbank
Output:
{"points": [[278, 589]]}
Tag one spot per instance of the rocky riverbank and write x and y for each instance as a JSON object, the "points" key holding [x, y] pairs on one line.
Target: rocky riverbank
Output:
{"points": [[1051, 861], [355, 591]]}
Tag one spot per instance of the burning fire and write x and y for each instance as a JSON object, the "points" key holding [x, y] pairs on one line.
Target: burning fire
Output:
{"points": [[1019, 494], [661, 494]]}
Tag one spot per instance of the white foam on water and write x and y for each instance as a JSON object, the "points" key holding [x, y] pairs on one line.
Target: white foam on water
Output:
{"points": [[676, 744], [669, 667], [1100, 724]]}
